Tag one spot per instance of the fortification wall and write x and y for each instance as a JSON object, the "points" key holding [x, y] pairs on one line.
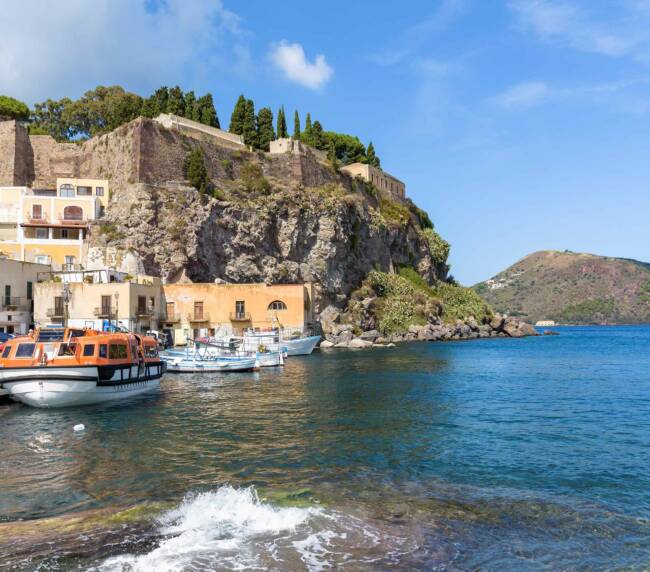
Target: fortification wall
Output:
{"points": [[51, 160], [16, 157]]}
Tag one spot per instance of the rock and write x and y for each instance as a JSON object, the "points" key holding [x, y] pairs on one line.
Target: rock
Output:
{"points": [[527, 329], [551, 333], [326, 344], [359, 343], [344, 337], [370, 335], [511, 328], [496, 323], [415, 329], [381, 340], [342, 345], [328, 317], [472, 323]]}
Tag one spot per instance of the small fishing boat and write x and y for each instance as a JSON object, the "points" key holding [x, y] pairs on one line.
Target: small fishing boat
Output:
{"points": [[277, 340], [59, 367], [232, 348], [301, 346], [189, 364]]}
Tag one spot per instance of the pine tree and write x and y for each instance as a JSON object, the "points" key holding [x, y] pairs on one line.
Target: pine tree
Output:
{"points": [[156, 103], [206, 111], [238, 115], [372, 158], [296, 125], [176, 101], [265, 132], [282, 124], [249, 127], [190, 106], [317, 136]]}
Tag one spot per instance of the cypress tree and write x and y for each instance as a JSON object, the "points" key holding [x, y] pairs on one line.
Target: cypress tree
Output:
{"points": [[176, 101], [372, 157], [206, 111], [249, 128], [190, 106], [265, 132], [195, 171], [282, 124], [317, 136], [307, 135], [238, 115], [296, 125]]}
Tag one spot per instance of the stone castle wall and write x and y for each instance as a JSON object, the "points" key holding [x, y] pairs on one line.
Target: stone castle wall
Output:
{"points": [[16, 156]]}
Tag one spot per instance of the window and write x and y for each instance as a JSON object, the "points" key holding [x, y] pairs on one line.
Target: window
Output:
{"points": [[150, 351], [42, 233], [169, 310], [67, 350], [58, 305], [99, 191], [72, 212], [106, 305], [42, 259], [64, 233], [84, 191], [277, 305], [198, 310], [89, 350], [142, 305], [240, 307], [6, 352], [102, 350], [25, 350], [30, 290], [8, 295], [117, 351], [37, 212], [66, 191]]}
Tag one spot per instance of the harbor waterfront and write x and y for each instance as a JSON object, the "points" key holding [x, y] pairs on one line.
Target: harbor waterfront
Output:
{"points": [[527, 454]]}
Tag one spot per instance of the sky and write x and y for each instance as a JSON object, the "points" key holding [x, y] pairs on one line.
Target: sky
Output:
{"points": [[518, 125]]}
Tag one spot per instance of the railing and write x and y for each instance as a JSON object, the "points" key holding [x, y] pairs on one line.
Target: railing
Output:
{"points": [[240, 316], [144, 312], [71, 267], [103, 312], [170, 318], [31, 219], [54, 312], [199, 317], [73, 219], [13, 303]]}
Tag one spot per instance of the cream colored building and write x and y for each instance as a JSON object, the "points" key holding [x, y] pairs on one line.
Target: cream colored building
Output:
{"points": [[134, 305], [196, 310], [17, 283], [50, 226], [380, 179]]}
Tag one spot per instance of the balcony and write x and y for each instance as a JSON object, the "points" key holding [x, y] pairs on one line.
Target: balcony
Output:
{"points": [[72, 220], [202, 317], [240, 316], [55, 312], [14, 304], [103, 312], [170, 318], [144, 312]]}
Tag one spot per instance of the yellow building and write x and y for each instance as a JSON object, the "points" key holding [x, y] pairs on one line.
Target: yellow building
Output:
{"points": [[194, 310], [133, 305], [17, 282], [379, 178], [50, 226]]}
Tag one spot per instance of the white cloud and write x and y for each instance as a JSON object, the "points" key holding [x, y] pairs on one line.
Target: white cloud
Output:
{"points": [[619, 33], [523, 95], [291, 60], [65, 48]]}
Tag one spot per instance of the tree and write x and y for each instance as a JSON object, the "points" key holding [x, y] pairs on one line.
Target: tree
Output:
{"points": [[372, 158], [296, 125], [176, 101], [249, 129], [265, 132], [206, 112], [317, 136], [48, 117], [307, 136], [282, 124], [11, 108], [156, 103], [348, 148], [331, 156], [238, 115], [195, 171], [191, 107]]}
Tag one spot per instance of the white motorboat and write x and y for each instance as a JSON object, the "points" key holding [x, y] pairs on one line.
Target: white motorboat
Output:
{"points": [[301, 346], [189, 364]]}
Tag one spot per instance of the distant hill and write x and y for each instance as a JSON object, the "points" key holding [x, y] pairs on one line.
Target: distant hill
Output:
{"points": [[574, 288]]}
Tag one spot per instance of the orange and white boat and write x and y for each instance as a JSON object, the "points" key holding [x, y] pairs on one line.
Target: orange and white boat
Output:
{"points": [[58, 367]]}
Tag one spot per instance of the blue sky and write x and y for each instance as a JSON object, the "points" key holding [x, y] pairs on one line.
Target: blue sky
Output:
{"points": [[518, 125]]}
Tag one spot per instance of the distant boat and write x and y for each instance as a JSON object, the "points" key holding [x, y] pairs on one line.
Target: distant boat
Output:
{"points": [[545, 323], [190, 364], [301, 346]]}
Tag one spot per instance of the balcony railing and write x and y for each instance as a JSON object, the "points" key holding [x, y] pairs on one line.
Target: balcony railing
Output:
{"points": [[199, 317], [144, 312], [103, 312], [73, 219], [55, 312], [33, 219], [170, 318], [13, 303], [240, 316]]}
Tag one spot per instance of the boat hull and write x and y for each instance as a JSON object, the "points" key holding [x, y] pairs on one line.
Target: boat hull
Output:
{"points": [[82, 385], [209, 366], [301, 346]]}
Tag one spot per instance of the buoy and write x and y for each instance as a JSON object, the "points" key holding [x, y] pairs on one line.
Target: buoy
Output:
{"points": [[79, 427]]}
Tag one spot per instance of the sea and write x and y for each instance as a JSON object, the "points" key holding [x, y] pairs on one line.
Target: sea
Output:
{"points": [[495, 454]]}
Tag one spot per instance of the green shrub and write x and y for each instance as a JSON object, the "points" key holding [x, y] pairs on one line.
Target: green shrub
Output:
{"points": [[459, 303], [253, 180], [11, 108], [590, 311], [394, 212], [438, 247]]}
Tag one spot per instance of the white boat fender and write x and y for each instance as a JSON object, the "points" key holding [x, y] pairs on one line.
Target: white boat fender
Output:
{"points": [[257, 365], [281, 358], [79, 427]]}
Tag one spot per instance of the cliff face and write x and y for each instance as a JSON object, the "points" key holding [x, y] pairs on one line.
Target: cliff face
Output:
{"points": [[571, 287], [277, 219]]}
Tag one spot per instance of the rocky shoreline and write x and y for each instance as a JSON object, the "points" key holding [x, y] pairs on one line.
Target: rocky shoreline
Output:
{"points": [[339, 335]]}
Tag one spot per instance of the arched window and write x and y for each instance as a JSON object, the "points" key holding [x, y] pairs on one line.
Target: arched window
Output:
{"points": [[73, 213], [277, 305], [66, 190]]}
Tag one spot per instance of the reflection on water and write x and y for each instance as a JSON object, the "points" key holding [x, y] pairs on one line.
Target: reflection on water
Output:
{"points": [[493, 454]]}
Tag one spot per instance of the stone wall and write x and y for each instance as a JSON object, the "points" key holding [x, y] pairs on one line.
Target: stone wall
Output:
{"points": [[16, 158], [52, 159]]}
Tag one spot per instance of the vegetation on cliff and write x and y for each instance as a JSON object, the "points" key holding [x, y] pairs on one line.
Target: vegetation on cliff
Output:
{"points": [[570, 287], [11, 108]]}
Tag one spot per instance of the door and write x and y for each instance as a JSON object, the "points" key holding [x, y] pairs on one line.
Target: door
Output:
{"points": [[37, 212], [8, 295], [240, 309], [198, 311], [169, 310], [106, 306], [58, 306]]}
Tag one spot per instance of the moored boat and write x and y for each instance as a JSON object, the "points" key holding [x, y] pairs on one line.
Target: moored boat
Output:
{"points": [[189, 364], [301, 346], [59, 367]]}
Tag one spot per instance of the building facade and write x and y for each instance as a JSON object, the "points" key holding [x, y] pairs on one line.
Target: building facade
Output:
{"points": [[18, 281], [50, 226], [380, 179], [197, 310]]}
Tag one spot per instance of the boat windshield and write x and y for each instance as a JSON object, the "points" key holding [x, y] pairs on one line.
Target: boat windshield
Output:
{"points": [[50, 335], [67, 350]]}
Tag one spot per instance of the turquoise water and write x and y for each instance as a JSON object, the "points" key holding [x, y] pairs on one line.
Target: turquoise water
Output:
{"points": [[529, 454]]}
